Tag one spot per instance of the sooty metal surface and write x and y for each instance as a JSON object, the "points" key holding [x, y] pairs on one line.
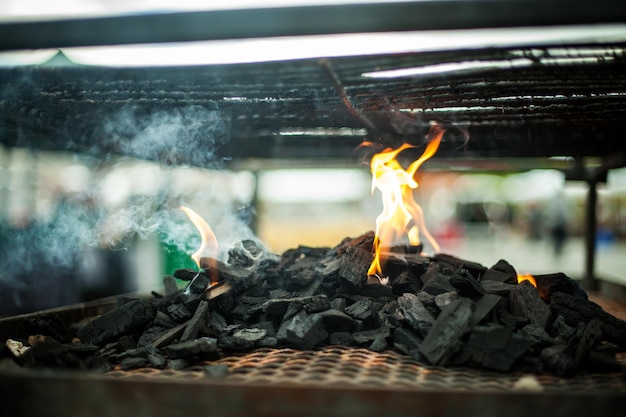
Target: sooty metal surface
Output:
{"points": [[533, 101]]}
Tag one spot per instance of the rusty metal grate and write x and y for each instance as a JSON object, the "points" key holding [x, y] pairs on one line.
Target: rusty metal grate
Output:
{"points": [[357, 367]]}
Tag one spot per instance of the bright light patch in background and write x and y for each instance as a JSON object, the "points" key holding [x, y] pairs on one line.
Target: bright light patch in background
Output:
{"points": [[314, 185]]}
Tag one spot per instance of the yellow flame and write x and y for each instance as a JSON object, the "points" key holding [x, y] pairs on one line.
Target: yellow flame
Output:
{"points": [[208, 245], [401, 214], [526, 277]]}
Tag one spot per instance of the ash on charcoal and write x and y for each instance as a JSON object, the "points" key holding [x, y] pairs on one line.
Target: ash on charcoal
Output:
{"points": [[245, 253]]}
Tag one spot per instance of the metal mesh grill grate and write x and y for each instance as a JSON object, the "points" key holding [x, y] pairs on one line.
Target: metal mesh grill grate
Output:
{"points": [[345, 366]]}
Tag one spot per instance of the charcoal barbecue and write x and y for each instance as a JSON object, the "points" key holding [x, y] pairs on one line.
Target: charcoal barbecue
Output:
{"points": [[540, 104]]}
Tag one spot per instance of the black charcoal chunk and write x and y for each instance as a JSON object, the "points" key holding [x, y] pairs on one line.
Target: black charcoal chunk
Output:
{"points": [[133, 363], [379, 344], [444, 338], [558, 360], [128, 318], [549, 284], [353, 268], [502, 271], [196, 322], [526, 302], [368, 336], [439, 284], [377, 291], [451, 263], [198, 284], [415, 314], [268, 326], [179, 364], [179, 312], [341, 339], [338, 303], [408, 339], [485, 305], [444, 299], [561, 330], [493, 346], [362, 309], [169, 283], [315, 303], [186, 274], [337, 321], [303, 331], [576, 310], [269, 342], [249, 337], [496, 287], [157, 360], [204, 347], [466, 284]]}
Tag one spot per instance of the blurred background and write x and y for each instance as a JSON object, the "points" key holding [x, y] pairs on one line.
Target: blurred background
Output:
{"points": [[108, 228], [75, 227]]}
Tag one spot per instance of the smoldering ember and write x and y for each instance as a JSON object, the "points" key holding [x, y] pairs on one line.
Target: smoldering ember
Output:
{"points": [[440, 310]]}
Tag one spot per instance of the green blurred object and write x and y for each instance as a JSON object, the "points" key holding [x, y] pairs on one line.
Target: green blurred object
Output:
{"points": [[174, 258]]}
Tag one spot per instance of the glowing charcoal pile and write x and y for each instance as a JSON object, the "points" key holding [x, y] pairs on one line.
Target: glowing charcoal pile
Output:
{"points": [[376, 291]]}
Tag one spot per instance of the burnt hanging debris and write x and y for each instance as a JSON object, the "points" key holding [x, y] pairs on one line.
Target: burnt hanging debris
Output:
{"points": [[442, 311]]}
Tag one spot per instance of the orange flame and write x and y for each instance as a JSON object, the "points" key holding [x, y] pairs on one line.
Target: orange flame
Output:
{"points": [[526, 277], [208, 245], [401, 214]]}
